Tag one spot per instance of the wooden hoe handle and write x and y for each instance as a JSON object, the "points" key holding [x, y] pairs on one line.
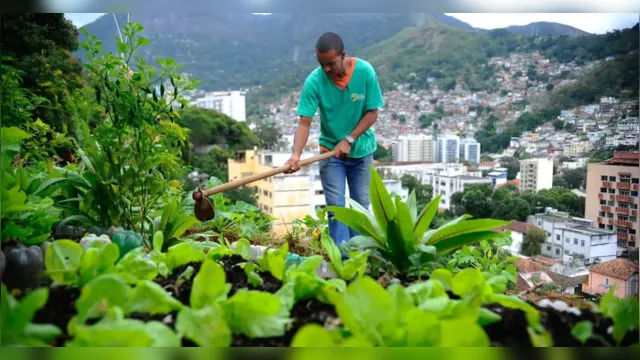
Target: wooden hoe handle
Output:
{"points": [[255, 177]]}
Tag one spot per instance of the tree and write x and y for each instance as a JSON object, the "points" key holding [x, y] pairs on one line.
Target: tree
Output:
{"points": [[475, 200], [573, 178], [532, 242], [512, 208], [269, 135], [512, 165], [424, 193], [40, 46], [550, 87], [558, 124], [209, 127]]}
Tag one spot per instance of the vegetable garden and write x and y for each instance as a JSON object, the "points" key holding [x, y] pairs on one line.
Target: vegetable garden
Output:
{"points": [[104, 249]]}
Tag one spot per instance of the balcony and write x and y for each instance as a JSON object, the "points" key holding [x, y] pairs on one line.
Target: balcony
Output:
{"points": [[623, 236], [635, 187], [623, 185], [633, 212], [601, 196], [600, 220], [624, 223], [607, 184], [621, 210], [605, 208], [610, 221], [612, 197], [624, 198], [632, 237]]}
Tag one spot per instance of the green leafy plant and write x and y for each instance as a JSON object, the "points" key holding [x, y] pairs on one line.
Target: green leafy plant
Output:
{"points": [[17, 327], [623, 312], [173, 224], [400, 235], [356, 265]]}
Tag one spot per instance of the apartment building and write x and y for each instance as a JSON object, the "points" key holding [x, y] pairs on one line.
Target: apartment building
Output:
{"points": [[448, 149], [288, 196], [569, 237], [612, 196], [470, 151], [414, 148], [536, 174], [230, 103]]}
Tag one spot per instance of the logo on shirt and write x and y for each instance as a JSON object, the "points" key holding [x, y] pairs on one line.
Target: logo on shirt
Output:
{"points": [[355, 97]]}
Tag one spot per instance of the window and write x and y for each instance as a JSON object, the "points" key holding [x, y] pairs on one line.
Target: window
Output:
{"points": [[603, 202], [612, 191], [602, 213], [575, 241], [610, 215], [557, 251], [634, 193], [567, 240], [624, 192], [603, 190], [582, 243], [635, 180], [603, 177], [611, 202], [549, 247], [612, 178], [558, 237], [539, 222], [600, 225]]}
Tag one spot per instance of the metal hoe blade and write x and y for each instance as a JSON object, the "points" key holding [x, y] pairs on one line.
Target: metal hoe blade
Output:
{"points": [[203, 207]]}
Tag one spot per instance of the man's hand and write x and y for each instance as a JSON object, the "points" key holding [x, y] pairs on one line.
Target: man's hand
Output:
{"points": [[294, 161], [342, 149]]}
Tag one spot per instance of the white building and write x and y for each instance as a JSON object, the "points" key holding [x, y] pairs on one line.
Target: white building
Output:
{"points": [[448, 149], [230, 103], [414, 148], [569, 237], [470, 151], [536, 174]]}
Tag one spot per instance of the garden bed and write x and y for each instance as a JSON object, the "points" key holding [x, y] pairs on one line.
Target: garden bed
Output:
{"points": [[510, 331]]}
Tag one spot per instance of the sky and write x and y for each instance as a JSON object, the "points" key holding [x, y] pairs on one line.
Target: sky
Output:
{"points": [[597, 23]]}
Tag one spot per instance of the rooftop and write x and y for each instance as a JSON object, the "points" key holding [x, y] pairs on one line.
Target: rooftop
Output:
{"points": [[624, 158], [619, 268], [520, 226]]}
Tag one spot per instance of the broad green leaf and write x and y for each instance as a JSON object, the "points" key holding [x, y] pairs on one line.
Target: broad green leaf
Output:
{"points": [[542, 339], [275, 261], [364, 242], [158, 240], [498, 283], [256, 314], [100, 294], [209, 285], [423, 328], [17, 316], [450, 244], [396, 245], [425, 217], [162, 335], [313, 335], [136, 264], [149, 297], [464, 227], [514, 302], [462, 333], [62, 260], [182, 254], [356, 265], [120, 333], [333, 252], [97, 261], [372, 218], [206, 326], [405, 226], [468, 281], [243, 248], [357, 221], [381, 201], [445, 277], [582, 331], [423, 291], [413, 206]]}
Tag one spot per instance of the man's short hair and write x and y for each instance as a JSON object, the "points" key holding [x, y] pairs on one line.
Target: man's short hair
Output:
{"points": [[329, 41]]}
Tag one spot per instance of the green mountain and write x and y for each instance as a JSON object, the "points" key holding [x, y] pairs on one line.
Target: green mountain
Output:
{"points": [[544, 28]]}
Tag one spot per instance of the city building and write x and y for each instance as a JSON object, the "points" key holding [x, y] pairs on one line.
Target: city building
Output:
{"points": [[619, 273], [414, 148], [230, 103], [470, 151], [570, 238], [498, 177], [612, 196], [448, 149], [518, 231], [536, 174], [289, 196]]}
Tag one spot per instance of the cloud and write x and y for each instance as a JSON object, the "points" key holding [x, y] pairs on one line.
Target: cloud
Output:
{"points": [[589, 22], [82, 19]]}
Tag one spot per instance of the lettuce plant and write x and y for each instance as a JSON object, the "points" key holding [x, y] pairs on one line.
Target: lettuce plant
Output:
{"points": [[356, 265], [399, 234]]}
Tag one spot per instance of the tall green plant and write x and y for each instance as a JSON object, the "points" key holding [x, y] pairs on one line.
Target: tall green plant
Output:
{"points": [[131, 159], [399, 234]]}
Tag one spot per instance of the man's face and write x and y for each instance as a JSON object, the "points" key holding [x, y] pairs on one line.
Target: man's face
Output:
{"points": [[331, 62]]}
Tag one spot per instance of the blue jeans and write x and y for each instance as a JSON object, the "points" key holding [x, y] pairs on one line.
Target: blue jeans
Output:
{"points": [[334, 173]]}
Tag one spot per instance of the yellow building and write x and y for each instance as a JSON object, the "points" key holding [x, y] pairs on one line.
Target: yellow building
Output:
{"points": [[286, 196]]}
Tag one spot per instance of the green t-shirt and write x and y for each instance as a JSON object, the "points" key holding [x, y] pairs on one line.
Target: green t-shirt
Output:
{"points": [[341, 110]]}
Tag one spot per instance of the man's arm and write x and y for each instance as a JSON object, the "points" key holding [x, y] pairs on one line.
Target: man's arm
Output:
{"points": [[365, 123], [301, 136]]}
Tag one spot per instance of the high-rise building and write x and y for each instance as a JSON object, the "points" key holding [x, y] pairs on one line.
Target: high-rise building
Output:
{"points": [[413, 148], [536, 174], [230, 103], [470, 150], [448, 149], [612, 196]]}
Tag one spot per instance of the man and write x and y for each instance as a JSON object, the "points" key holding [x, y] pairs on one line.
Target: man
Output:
{"points": [[346, 91]]}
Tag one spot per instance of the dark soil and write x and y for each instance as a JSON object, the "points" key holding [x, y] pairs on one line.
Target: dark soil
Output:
{"points": [[58, 310]]}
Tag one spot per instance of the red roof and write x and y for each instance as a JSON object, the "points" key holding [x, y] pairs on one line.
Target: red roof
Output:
{"points": [[520, 226], [619, 268]]}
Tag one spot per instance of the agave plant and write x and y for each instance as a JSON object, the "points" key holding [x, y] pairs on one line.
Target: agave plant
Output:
{"points": [[400, 235]]}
